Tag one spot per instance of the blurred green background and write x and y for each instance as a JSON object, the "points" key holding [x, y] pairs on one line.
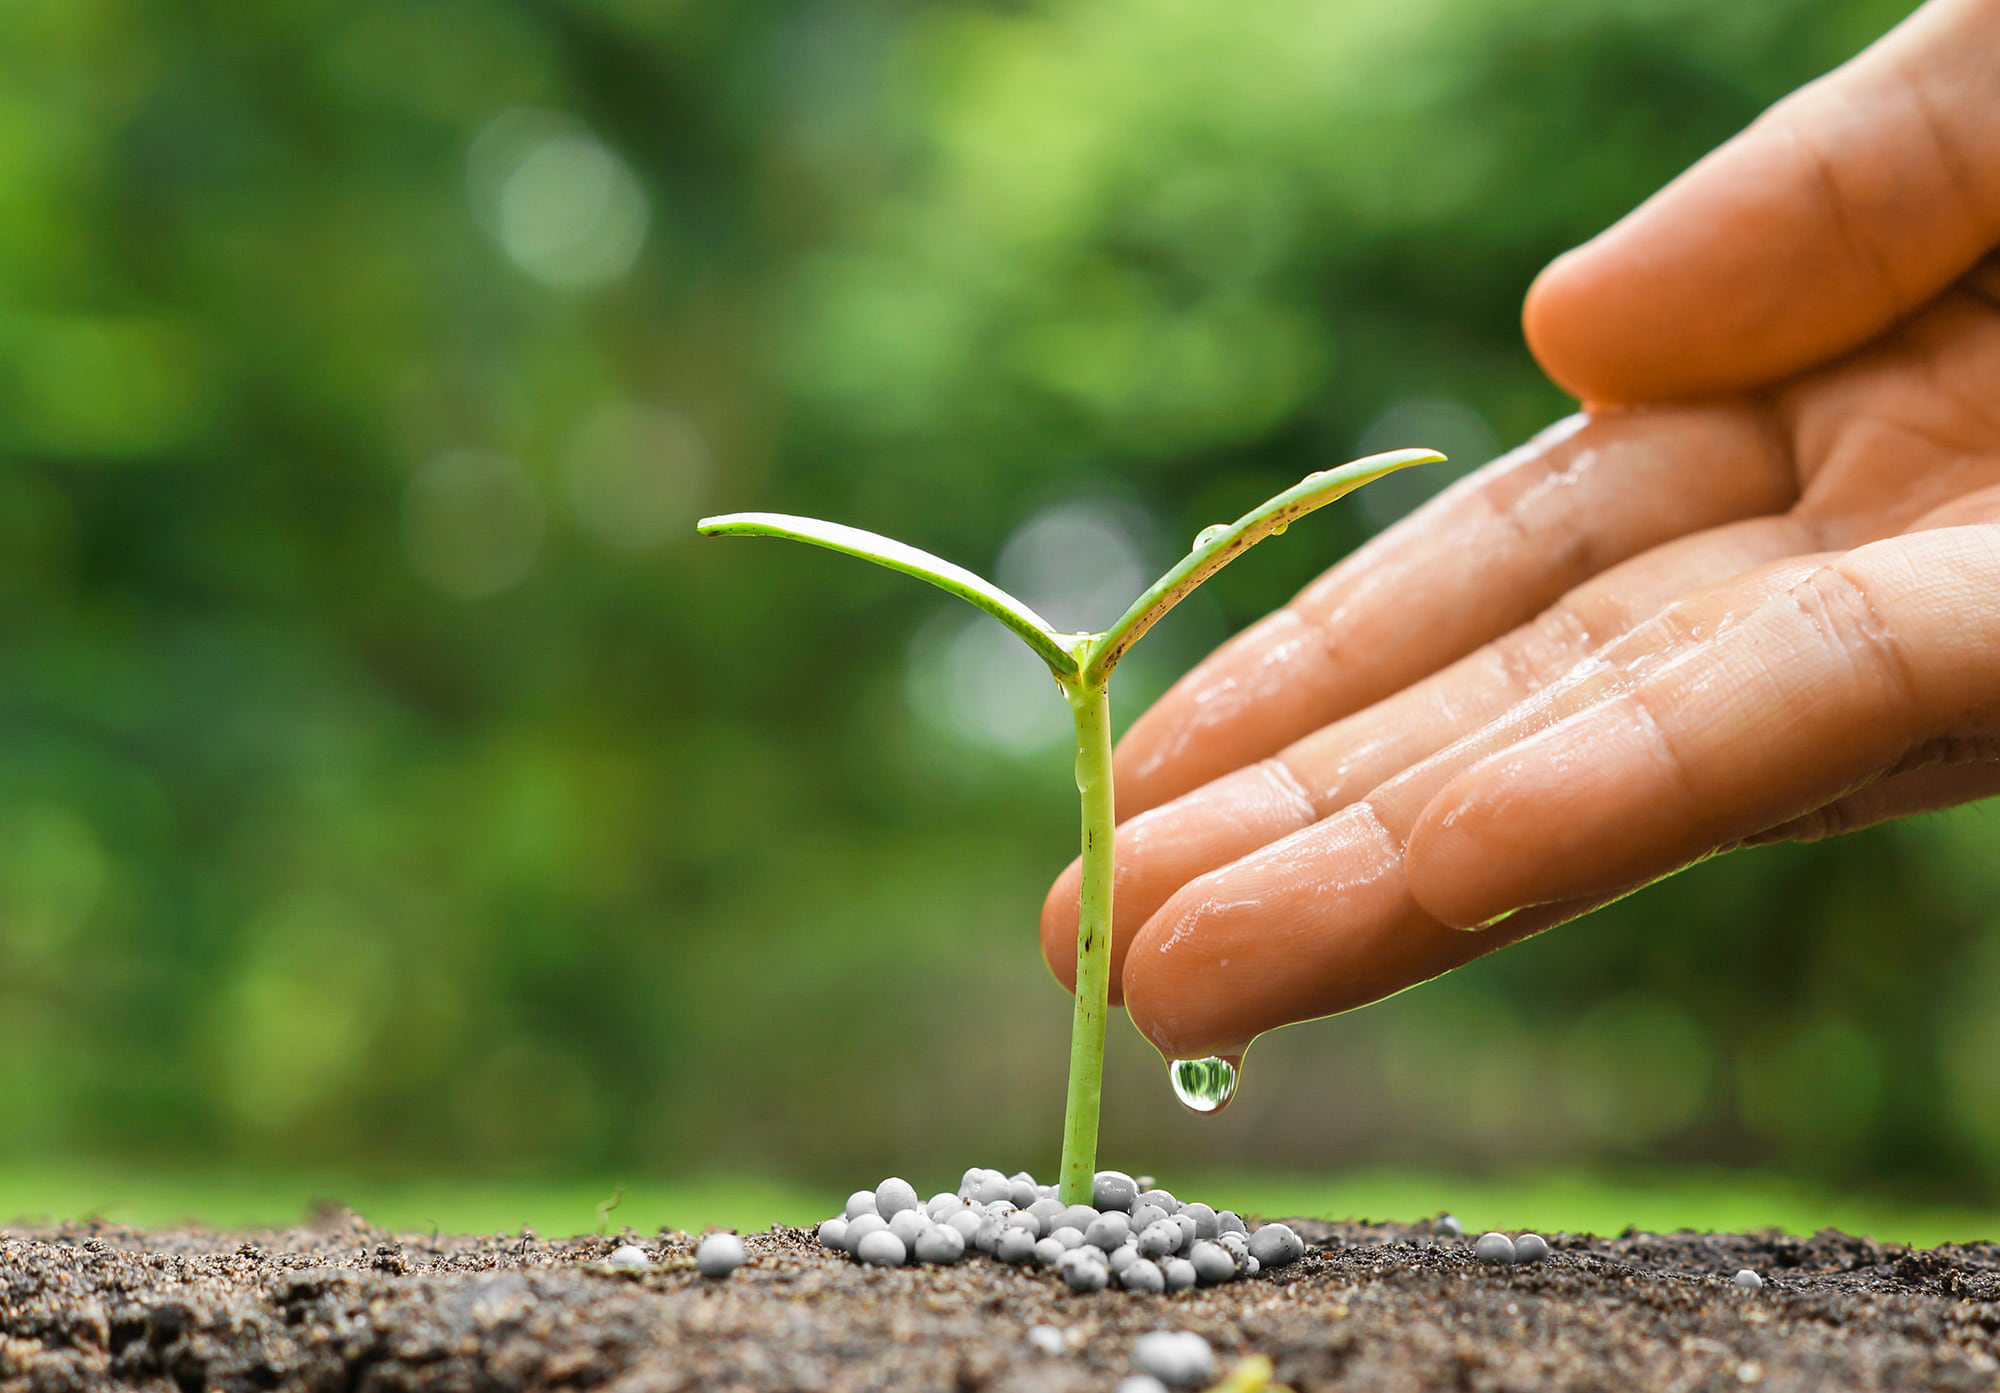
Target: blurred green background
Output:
{"points": [[393, 790]]}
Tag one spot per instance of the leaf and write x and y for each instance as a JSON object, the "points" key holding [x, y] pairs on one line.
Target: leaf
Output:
{"points": [[1033, 630], [1218, 546]]}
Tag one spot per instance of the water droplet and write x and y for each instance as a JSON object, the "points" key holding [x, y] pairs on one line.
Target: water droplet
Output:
{"points": [[1279, 530], [1204, 1085], [1209, 534]]}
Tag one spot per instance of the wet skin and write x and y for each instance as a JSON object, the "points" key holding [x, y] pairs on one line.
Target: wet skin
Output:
{"points": [[1750, 593]]}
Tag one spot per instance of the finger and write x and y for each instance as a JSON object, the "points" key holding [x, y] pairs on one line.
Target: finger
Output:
{"points": [[1969, 776], [1316, 923], [1790, 705], [1843, 208], [1163, 849], [1480, 559], [1323, 920]]}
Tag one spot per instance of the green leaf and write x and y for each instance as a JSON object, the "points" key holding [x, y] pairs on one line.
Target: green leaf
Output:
{"points": [[1217, 546], [1051, 646]]}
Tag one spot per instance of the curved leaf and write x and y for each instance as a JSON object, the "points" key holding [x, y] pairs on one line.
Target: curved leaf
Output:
{"points": [[1217, 546], [1033, 630]]}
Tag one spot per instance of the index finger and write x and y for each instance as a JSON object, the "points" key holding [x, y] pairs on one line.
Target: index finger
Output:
{"points": [[1482, 558]]}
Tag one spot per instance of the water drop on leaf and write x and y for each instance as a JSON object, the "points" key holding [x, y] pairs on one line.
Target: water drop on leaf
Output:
{"points": [[1209, 534]]}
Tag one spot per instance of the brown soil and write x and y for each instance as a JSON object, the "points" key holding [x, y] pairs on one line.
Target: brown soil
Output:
{"points": [[341, 1305]]}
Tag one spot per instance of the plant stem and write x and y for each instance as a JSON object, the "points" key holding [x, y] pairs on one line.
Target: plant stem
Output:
{"points": [[1090, 705]]}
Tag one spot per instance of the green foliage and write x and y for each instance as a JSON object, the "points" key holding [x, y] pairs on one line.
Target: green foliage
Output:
{"points": [[371, 786]]}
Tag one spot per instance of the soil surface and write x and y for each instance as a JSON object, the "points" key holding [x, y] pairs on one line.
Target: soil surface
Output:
{"points": [[341, 1305]]}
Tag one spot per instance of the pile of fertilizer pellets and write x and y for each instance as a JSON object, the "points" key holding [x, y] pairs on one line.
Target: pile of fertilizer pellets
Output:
{"points": [[1143, 1240], [1499, 1248]]}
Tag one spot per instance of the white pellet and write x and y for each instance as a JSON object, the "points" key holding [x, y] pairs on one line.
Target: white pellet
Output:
{"points": [[1046, 1339], [907, 1224], [1275, 1245], [1143, 1275], [858, 1229], [1114, 1190], [1082, 1274], [1014, 1246], [941, 1244], [1158, 1240], [1177, 1358], [1108, 1231], [893, 1196], [882, 1249], [992, 1186], [719, 1254], [1213, 1264]]}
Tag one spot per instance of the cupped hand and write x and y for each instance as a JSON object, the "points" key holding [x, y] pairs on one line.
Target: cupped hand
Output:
{"points": [[1752, 596]]}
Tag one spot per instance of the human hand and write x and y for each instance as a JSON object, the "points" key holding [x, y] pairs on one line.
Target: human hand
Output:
{"points": [[1769, 611]]}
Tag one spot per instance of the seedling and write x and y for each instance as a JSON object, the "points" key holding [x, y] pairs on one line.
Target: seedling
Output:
{"points": [[1082, 665]]}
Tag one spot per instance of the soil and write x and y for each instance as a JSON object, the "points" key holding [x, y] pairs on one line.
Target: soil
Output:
{"points": [[341, 1305]]}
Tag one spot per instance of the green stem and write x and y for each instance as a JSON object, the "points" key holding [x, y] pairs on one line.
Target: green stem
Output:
{"points": [[1090, 705]]}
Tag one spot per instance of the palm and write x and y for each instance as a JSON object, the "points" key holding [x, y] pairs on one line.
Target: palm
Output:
{"points": [[1912, 427]]}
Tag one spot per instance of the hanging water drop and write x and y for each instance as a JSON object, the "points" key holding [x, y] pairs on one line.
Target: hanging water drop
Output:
{"points": [[1279, 530], [1210, 533], [1204, 1085]]}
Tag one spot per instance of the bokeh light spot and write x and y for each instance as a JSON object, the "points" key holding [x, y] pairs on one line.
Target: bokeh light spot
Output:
{"points": [[563, 205], [981, 686], [1079, 564]]}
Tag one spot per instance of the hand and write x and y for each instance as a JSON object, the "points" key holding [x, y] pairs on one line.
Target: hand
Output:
{"points": [[1659, 631]]}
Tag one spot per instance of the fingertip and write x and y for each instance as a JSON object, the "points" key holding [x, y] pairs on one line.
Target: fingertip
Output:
{"points": [[1555, 319], [1179, 1024]]}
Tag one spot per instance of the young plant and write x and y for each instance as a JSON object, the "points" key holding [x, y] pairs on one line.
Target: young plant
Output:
{"points": [[1082, 665]]}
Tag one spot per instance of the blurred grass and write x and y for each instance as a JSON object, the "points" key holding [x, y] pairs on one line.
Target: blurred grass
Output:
{"points": [[1549, 1201]]}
